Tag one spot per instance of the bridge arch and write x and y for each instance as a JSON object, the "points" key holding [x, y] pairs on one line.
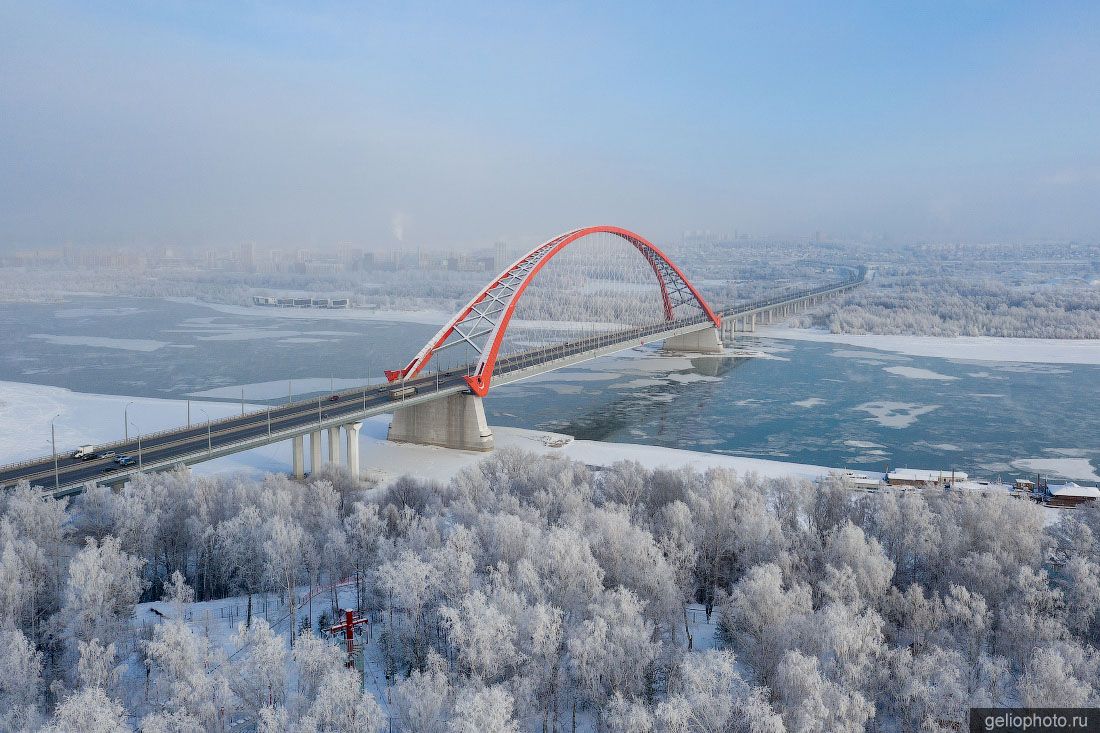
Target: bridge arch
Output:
{"points": [[483, 322]]}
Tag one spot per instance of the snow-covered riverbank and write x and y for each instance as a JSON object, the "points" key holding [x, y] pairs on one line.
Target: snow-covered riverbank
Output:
{"points": [[971, 348], [26, 411]]}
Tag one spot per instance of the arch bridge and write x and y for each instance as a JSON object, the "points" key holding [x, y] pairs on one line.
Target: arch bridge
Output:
{"points": [[439, 404]]}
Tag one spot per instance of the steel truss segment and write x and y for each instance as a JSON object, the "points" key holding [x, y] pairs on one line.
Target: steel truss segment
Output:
{"points": [[489, 312]]}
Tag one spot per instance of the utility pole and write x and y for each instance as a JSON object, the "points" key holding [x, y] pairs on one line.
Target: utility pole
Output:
{"points": [[126, 420], [242, 400], [188, 413], [269, 421]]}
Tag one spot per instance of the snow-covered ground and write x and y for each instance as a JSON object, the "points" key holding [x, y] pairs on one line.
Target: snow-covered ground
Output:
{"points": [[26, 410], [974, 348]]}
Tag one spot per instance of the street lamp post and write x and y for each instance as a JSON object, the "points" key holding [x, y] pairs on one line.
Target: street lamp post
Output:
{"points": [[139, 445], [126, 420], [53, 442], [209, 447]]}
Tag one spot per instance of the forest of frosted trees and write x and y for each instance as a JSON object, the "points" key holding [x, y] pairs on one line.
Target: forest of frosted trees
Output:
{"points": [[950, 307], [535, 594]]}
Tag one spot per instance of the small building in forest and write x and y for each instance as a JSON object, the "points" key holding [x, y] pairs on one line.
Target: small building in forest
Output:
{"points": [[920, 478], [1069, 494]]}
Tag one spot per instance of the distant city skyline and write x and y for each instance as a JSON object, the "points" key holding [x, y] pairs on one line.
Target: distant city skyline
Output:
{"points": [[460, 125]]}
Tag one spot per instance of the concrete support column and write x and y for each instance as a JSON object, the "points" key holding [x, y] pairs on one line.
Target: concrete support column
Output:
{"points": [[705, 341], [315, 451], [457, 421], [351, 431], [752, 323], [334, 445], [299, 461]]}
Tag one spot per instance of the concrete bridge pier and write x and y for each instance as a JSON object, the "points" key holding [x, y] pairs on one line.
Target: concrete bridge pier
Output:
{"points": [[299, 461], [705, 341], [351, 432], [315, 451], [457, 421], [334, 445]]}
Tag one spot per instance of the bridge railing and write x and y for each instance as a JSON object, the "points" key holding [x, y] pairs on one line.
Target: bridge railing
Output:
{"points": [[856, 279]]}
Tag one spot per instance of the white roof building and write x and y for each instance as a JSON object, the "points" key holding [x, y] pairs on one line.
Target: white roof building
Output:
{"points": [[1070, 489], [918, 475]]}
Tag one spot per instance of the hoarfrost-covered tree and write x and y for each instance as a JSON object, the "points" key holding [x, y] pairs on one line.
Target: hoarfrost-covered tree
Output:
{"points": [[930, 688], [422, 702], [1081, 588], [611, 652], [20, 681], [243, 537], [627, 716], [758, 616], [186, 680], [259, 671], [542, 641], [564, 572], [315, 658], [88, 711], [709, 694], [103, 588], [857, 571], [811, 703], [342, 707], [98, 667], [479, 711], [16, 587], [283, 548], [1060, 675], [484, 636]]}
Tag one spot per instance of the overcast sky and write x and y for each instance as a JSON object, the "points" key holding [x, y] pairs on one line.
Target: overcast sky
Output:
{"points": [[457, 124]]}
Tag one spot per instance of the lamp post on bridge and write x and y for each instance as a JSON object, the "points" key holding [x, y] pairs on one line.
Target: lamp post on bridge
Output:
{"points": [[139, 445], [126, 421], [209, 448], [53, 442]]}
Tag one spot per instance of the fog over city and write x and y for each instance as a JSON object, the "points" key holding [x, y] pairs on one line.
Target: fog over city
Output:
{"points": [[205, 124]]}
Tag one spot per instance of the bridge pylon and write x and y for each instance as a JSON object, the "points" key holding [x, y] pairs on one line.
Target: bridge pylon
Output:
{"points": [[456, 421], [705, 341]]}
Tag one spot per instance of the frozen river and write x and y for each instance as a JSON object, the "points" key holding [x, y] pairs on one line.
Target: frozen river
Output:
{"points": [[807, 402]]}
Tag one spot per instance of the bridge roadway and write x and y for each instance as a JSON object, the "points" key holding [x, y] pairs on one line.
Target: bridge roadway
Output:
{"points": [[205, 441]]}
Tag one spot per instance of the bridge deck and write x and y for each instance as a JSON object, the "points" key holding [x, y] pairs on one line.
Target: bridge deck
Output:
{"points": [[205, 441]]}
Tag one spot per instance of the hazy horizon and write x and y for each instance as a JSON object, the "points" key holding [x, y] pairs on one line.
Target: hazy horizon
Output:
{"points": [[196, 124]]}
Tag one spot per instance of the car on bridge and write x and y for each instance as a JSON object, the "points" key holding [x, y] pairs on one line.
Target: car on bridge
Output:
{"points": [[334, 398], [106, 454], [85, 452], [125, 460]]}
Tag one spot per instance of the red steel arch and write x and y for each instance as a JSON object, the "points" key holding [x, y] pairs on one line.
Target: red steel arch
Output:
{"points": [[490, 311]]}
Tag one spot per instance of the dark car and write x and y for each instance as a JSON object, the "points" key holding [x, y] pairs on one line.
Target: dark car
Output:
{"points": [[125, 460], [106, 454], [334, 398]]}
